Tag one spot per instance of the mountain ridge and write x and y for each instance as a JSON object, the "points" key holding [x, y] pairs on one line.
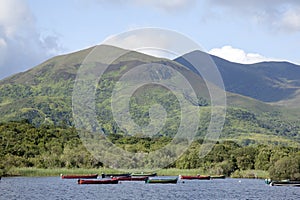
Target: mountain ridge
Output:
{"points": [[269, 82], [43, 95]]}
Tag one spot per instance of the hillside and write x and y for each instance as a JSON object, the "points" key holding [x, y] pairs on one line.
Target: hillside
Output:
{"points": [[276, 82], [43, 95]]}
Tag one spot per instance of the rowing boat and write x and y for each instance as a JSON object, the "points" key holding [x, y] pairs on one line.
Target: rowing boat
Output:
{"points": [[217, 177], [144, 174], [76, 176], [198, 177], [103, 175], [130, 178], [282, 183], [161, 180], [98, 181]]}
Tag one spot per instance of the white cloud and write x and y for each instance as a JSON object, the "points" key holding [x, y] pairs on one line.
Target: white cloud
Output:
{"points": [[154, 41], [167, 5], [164, 5], [291, 19], [277, 14], [239, 55], [21, 45]]}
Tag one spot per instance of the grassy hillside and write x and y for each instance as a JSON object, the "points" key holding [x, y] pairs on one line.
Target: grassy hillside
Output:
{"points": [[266, 81], [43, 96]]}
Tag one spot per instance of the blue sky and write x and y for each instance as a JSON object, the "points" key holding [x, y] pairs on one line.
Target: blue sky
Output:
{"points": [[32, 31]]}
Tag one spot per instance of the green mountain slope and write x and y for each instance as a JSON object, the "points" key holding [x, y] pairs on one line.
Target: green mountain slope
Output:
{"points": [[277, 82], [43, 95]]}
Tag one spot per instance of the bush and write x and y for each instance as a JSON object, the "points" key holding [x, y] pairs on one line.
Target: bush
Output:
{"points": [[286, 168]]}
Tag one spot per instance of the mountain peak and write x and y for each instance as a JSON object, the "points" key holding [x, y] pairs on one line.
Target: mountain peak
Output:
{"points": [[266, 81]]}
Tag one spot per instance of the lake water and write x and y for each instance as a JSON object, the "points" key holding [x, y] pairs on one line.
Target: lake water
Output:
{"points": [[53, 188]]}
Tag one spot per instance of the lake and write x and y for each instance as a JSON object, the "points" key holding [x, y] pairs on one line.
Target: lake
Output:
{"points": [[56, 188]]}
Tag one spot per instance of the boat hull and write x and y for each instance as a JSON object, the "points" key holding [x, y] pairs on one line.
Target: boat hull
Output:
{"points": [[115, 175], [143, 178], [77, 176], [108, 181], [144, 174], [161, 181], [285, 183], [218, 177], [198, 177]]}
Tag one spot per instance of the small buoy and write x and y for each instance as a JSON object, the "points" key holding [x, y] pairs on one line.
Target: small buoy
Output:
{"points": [[240, 181]]}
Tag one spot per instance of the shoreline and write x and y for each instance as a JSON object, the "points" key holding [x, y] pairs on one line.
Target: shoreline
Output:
{"points": [[40, 172]]}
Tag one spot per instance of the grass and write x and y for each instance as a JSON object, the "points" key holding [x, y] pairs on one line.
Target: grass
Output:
{"points": [[176, 172], [250, 174], [37, 172], [31, 172]]}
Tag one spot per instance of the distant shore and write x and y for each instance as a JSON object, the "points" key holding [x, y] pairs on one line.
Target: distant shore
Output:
{"points": [[35, 172]]}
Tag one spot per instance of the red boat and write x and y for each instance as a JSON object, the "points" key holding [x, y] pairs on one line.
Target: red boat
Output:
{"points": [[76, 176], [98, 181], [198, 177], [129, 178]]}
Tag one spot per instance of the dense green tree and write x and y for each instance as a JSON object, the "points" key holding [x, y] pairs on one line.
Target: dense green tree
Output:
{"points": [[49, 146], [263, 159], [286, 168], [245, 157]]}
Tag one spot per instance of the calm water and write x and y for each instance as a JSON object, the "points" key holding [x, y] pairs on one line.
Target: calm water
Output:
{"points": [[55, 188]]}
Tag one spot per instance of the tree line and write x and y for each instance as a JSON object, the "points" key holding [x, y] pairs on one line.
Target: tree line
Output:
{"points": [[24, 145]]}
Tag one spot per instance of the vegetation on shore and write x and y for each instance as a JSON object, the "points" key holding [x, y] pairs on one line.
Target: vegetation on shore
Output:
{"points": [[28, 150], [39, 172]]}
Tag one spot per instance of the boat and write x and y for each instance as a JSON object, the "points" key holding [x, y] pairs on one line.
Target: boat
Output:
{"points": [[218, 177], [130, 178], [144, 174], [198, 177], [162, 180], [98, 181], [282, 183], [77, 176], [103, 175]]}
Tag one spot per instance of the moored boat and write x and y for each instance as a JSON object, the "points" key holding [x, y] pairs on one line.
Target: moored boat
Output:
{"points": [[103, 175], [130, 178], [162, 180], [144, 174], [217, 177], [197, 177], [98, 181], [282, 183], [76, 176]]}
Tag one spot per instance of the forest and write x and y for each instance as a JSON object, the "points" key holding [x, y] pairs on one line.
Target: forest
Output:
{"points": [[24, 145]]}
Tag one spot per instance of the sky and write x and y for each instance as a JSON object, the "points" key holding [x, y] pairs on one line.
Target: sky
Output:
{"points": [[32, 31]]}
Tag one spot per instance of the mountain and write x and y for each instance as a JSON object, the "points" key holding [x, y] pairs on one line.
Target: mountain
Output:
{"points": [[271, 82], [43, 95]]}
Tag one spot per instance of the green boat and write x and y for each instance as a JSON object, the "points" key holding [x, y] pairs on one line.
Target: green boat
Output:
{"points": [[144, 174], [162, 180]]}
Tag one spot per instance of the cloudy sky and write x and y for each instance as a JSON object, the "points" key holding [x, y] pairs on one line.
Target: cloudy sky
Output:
{"points": [[32, 31]]}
